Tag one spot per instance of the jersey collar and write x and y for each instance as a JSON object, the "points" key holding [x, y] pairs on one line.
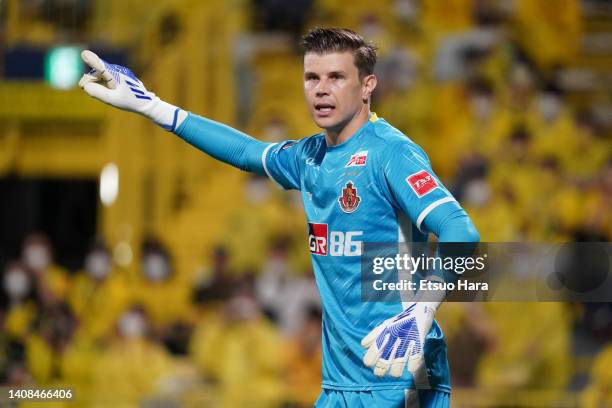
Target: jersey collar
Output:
{"points": [[356, 136]]}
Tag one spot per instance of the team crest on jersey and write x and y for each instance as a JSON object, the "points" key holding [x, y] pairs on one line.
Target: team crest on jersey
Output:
{"points": [[358, 159], [422, 183], [349, 200]]}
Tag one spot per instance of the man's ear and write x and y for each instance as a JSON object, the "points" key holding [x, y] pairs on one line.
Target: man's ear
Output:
{"points": [[368, 85]]}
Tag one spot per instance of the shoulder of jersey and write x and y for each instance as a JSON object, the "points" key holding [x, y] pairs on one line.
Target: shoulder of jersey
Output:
{"points": [[391, 137], [311, 143]]}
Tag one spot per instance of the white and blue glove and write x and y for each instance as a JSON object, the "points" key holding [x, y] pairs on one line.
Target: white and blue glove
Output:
{"points": [[399, 342], [119, 87]]}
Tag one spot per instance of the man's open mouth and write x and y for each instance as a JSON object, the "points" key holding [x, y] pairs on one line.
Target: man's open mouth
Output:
{"points": [[324, 107]]}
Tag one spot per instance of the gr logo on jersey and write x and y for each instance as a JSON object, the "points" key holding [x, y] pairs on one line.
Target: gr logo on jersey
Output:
{"points": [[339, 243], [349, 200], [422, 183], [358, 159], [317, 238]]}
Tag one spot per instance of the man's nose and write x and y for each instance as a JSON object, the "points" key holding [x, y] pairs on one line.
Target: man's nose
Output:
{"points": [[322, 88]]}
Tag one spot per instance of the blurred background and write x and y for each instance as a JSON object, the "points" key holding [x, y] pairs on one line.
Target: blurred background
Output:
{"points": [[140, 272]]}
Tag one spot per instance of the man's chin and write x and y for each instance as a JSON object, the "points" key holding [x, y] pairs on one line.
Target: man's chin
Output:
{"points": [[326, 123]]}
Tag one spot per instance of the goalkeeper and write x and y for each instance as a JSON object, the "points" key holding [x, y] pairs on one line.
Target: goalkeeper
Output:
{"points": [[361, 181]]}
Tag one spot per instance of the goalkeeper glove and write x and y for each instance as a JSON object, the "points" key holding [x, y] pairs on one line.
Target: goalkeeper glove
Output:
{"points": [[399, 341], [119, 87]]}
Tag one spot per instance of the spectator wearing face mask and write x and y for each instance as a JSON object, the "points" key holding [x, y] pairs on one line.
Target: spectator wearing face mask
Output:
{"points": [[165, 297], [99, 293], [474, 189], [551, 123], [50, 279], [20, 298], [246, 362], [132, 366]]}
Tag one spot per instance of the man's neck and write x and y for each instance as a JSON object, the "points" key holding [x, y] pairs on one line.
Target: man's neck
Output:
{"points": [[334, 137]]}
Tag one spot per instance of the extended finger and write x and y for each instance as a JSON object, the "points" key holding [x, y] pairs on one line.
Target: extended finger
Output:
{"points": [[96, 63]]}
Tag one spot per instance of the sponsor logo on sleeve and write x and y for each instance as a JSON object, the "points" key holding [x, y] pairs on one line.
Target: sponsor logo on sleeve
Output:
{"points": [[358, 159], [288, 145], [422, 183], [317, 238]]}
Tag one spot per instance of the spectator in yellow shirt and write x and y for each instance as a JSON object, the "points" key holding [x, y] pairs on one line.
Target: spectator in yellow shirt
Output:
{"points": [[599, 392], [98, 294], [240, 351], [159, 290], [302, 364], [550, 33], [20, 296], [133, 366], [46, 345], [531, 347], [51, 280]]}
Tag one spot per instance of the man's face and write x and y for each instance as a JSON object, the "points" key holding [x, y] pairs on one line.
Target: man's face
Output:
{"points": [[333, 90]]}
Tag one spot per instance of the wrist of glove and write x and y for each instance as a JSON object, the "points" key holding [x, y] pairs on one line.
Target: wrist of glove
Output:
{"points": [[399, 342], [117, 86]]}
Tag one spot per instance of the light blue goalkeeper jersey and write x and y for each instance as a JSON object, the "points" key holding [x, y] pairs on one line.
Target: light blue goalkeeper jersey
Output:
{"points": [[376, 187]]}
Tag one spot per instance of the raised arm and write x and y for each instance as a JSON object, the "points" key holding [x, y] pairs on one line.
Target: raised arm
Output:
{"points": [[224, 143], [119, 87]]}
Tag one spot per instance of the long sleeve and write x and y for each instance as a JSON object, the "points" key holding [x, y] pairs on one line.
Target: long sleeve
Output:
{"points": [[452, 225], [223, 143]]}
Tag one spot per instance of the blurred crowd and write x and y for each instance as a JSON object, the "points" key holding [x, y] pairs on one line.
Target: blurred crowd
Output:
{"points": [[118, 339], [232, 338], [481, 86]]}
